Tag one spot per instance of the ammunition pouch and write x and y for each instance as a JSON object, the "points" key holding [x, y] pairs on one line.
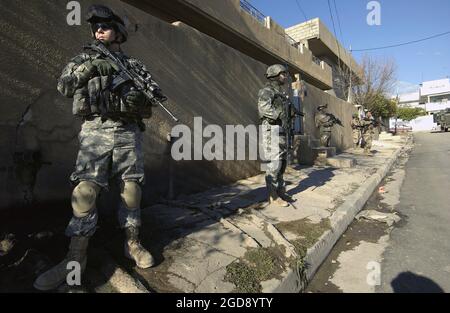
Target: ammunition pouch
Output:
{"points": [[81, 102], [105, 96]]}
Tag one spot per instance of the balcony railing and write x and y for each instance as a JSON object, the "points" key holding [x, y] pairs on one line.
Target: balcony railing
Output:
{"points": [[316, 60], [250, 9]]}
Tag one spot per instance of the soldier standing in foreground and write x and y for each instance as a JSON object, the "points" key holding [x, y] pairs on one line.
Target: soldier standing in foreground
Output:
{"points": [[273, 105], [111, 140]]}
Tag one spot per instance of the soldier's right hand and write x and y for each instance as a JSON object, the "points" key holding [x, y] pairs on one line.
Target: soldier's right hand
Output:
{"points": [[105, 67], [84, 72]]}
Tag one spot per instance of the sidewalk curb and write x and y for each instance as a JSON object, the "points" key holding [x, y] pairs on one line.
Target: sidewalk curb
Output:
{"points": [[340, 220]]}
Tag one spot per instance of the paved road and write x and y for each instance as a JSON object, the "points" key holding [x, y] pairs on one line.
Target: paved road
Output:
{"points": [[414, 255], [418, 256]]}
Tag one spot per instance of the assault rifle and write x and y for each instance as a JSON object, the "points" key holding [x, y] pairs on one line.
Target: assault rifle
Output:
{"points": [[334, 119], [290, 119], [141, 79]]}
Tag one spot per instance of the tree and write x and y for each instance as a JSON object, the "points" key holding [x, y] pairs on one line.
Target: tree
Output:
{"points": [[409, 114], [382, 107], [372, 86]]}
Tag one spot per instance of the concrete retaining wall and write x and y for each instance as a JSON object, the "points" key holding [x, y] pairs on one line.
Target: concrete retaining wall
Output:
{"points": [[200, 75]]}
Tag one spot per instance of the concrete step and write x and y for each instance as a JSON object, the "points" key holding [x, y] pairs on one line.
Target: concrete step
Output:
{"points": [[327, 152], [341, 162], [322, 154]]}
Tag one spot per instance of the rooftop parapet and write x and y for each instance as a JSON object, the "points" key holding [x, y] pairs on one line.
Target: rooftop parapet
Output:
{"points": [[316, 36], [240, 26]]}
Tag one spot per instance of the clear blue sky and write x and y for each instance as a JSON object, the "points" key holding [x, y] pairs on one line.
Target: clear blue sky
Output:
{"points": [[401, 21]]}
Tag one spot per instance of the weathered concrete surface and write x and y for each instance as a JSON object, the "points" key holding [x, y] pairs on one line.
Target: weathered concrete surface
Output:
{"points": [[198, 239], [417, 259], [197, 73], [341, 162], [352, 275], [200, 75], [226, 21], [356, 261]]}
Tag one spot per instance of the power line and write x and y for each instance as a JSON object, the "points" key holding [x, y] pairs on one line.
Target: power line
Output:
{"points": [[335, 36], [404, 44], [301, 10], [339, 21]]}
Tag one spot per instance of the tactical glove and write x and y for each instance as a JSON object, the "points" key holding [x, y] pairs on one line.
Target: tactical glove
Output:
{"points": [[105, 67], [135, 99], [83, 73], [157, 93]]}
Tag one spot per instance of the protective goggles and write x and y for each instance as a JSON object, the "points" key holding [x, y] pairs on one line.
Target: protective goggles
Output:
{"points": [[104, 26]]}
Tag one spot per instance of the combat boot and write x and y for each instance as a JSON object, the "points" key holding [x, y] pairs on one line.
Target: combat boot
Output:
{"points": [[58, 274], [135, 251], [278, 202]]}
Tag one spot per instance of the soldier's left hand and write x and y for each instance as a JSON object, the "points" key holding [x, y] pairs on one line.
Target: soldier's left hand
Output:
{"points": [[105, 67], [135, 99]]}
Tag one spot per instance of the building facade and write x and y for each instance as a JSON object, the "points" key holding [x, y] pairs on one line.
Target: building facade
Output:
{"points": [[432, 96], [316, 37]]}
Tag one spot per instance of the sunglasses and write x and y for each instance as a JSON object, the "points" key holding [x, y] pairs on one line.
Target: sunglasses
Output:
{"points": [[104, 26]]}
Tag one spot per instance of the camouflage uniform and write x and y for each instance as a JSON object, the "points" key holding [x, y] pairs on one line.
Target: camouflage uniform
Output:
{"points": [[367, 133], [356, 131], [272, 111], [110, 137], [324, 123], [110, 143]]}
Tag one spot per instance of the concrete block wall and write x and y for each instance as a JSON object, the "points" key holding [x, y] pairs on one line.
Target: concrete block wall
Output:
{"points": [[306, 30], [315, 28], [341, 136]]}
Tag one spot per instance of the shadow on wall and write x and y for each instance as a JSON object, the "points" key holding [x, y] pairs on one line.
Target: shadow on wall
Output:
{"points": [[200, 76]]}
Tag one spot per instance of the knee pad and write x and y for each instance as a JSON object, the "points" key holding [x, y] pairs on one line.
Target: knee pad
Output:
{"points": [[131, 195], [84, 197]]}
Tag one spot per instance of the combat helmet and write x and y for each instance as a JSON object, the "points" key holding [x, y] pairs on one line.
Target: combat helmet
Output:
{"points": [[275, 70], [99, 13]]}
